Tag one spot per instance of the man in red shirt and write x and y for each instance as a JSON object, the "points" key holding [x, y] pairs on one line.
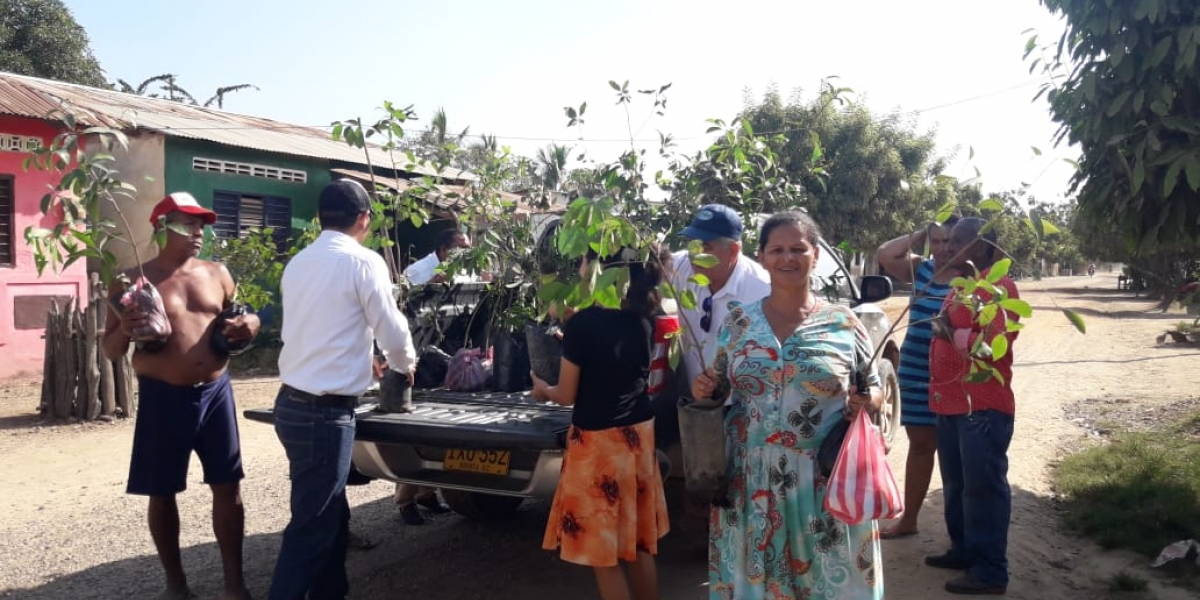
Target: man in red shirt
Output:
{"points": [[974, 419]]}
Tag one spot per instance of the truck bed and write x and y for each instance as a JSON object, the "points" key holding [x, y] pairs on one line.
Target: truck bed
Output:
{"points": [[448, 419]]}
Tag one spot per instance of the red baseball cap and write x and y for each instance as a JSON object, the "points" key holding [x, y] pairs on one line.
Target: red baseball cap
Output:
{"points": [[184, 203]]}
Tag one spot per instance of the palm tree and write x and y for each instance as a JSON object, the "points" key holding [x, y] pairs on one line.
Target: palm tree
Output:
{"points": [[178, 94], [552, 166]]}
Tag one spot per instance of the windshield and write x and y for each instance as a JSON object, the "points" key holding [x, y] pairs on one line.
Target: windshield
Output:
{"points": [[829, 279]]}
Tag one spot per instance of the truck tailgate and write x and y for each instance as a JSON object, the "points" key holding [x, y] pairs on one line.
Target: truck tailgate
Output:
{"points": [[446, 419]]}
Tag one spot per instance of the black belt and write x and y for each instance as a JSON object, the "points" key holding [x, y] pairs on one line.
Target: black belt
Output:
{"points": [[335, 400]]}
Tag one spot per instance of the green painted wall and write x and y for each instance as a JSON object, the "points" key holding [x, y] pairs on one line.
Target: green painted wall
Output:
{"points": [[179, 176]]}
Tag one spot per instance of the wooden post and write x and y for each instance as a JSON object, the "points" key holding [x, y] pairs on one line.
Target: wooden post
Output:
{"points": [[78, 343], [64, 375], [123, 378], [91, 365], [107, 389], [48, 365]]}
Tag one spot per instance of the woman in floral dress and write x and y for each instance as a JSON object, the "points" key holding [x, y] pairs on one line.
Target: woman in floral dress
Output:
{"points": [[789, 359]]}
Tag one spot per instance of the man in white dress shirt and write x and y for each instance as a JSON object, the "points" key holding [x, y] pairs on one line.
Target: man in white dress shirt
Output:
{"points": [[425, 270], [337, 297], [736, 277]]}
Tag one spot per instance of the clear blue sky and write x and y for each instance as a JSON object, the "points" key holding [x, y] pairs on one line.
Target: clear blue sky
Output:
{"points": [[508, 68]]}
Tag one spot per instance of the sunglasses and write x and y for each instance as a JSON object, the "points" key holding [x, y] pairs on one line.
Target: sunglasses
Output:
{"points": [[706, 319]]}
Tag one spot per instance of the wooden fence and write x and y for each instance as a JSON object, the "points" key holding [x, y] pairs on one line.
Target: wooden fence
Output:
{"points": [[77, 380]]}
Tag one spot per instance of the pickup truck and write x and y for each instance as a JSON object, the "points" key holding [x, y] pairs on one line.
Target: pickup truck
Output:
{"points": [[489, 451]]}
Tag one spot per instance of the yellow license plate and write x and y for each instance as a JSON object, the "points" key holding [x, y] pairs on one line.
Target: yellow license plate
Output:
{"points": [[487, 462]]}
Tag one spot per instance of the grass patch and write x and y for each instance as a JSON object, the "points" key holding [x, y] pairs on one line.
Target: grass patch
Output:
{"points": [[1140, 491], [1124, 582]]}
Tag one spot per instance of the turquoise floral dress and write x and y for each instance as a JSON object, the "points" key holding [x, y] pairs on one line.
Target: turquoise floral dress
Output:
{"points": [[775, 541]]}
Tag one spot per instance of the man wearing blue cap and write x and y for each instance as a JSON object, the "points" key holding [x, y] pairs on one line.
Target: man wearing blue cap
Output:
{"points": [[735, 278], [337, 297]]}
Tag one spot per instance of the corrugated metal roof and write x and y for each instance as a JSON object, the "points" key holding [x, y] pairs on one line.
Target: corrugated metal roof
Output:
{"points": [[42, 99], [452, 196]]}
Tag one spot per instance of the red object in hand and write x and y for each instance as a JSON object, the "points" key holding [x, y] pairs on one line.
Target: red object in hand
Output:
{"points": [[142, 296], [660, 364], [861, 486]]}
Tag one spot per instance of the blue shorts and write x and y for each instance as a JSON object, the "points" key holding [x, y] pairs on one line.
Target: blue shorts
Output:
{"points": [[174, 420]]}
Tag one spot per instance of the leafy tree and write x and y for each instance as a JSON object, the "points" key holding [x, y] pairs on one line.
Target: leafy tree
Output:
{"points": [[866, 178], [42, 39], [1130, 99]]}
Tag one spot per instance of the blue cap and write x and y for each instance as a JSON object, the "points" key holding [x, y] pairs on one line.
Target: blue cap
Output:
{"points": [[714, 221]]}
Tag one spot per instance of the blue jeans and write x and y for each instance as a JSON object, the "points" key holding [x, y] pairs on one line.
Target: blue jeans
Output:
{"points": [[318, 442], [973, 453]]}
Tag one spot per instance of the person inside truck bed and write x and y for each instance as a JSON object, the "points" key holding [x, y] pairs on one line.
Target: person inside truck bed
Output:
{"points": [[408, 497], [609, 507], [425, 270]]}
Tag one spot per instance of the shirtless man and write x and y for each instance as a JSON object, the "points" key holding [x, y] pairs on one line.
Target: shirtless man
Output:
{"points": [[185, 398]]}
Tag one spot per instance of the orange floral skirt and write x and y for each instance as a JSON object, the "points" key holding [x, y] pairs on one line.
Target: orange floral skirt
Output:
{"points": [[609, 504]]}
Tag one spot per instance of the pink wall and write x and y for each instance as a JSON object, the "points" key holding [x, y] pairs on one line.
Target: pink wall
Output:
{"points": [[22, 292]]}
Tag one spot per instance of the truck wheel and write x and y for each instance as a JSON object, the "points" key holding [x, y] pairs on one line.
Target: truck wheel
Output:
{"points": [[481, 507], [888, 417]]}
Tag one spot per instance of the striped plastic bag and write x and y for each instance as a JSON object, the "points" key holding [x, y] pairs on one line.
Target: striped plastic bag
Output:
{"points": [[861, 487]]}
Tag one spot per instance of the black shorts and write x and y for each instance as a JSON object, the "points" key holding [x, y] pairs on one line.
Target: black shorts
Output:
{"points": [[174, 420]]}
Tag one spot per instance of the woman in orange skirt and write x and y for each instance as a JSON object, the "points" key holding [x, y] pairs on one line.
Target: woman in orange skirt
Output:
{"points": [[609, 508]]}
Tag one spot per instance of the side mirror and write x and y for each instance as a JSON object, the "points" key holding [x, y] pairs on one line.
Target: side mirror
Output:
{"points": [[874, 288]]}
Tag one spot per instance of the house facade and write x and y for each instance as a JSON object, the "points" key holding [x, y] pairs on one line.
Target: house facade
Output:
{"points": [[25, 297], [252, 172]]}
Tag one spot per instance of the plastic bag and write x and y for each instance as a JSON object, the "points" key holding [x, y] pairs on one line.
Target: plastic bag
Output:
{"points": [[468, 371], [432, 366], [221, 344], [862, 487], [143, 296]]}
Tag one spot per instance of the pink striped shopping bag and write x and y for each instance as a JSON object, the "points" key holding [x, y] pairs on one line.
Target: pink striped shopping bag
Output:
{"points": [[861, 487]]}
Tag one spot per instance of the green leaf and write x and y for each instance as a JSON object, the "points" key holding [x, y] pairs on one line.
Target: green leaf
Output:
{"points": [[699, 279], [991, 205], [1016, 305], [704, 261], [1075, 320], [1193, 172], [998, 270], [688, 299], [1121, 98], [999, 346], [946, 211], [1035, 222], [1172, 176], [664, 288]]}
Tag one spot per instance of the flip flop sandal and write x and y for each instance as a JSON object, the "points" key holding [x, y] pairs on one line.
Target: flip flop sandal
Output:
{"points": [[893, 534]]}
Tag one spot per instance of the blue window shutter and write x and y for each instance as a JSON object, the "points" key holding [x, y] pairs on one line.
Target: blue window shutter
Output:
{"points": [[278, 216], [227, 206]]}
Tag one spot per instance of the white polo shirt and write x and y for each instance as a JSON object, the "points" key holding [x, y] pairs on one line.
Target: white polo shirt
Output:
{"points": [[748, 283], [337, 297]]}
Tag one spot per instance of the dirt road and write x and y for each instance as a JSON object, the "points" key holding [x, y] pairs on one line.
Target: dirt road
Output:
{"points": [[70, 532]]}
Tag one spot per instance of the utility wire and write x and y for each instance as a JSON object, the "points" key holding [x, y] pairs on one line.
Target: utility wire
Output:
{"points": [[597, 140]]}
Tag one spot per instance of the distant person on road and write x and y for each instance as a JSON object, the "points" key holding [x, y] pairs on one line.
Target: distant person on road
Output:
{"points": [[609, 507], [337, 296], [792, 359], [974, 424], [904, 260], [185, 398]]}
